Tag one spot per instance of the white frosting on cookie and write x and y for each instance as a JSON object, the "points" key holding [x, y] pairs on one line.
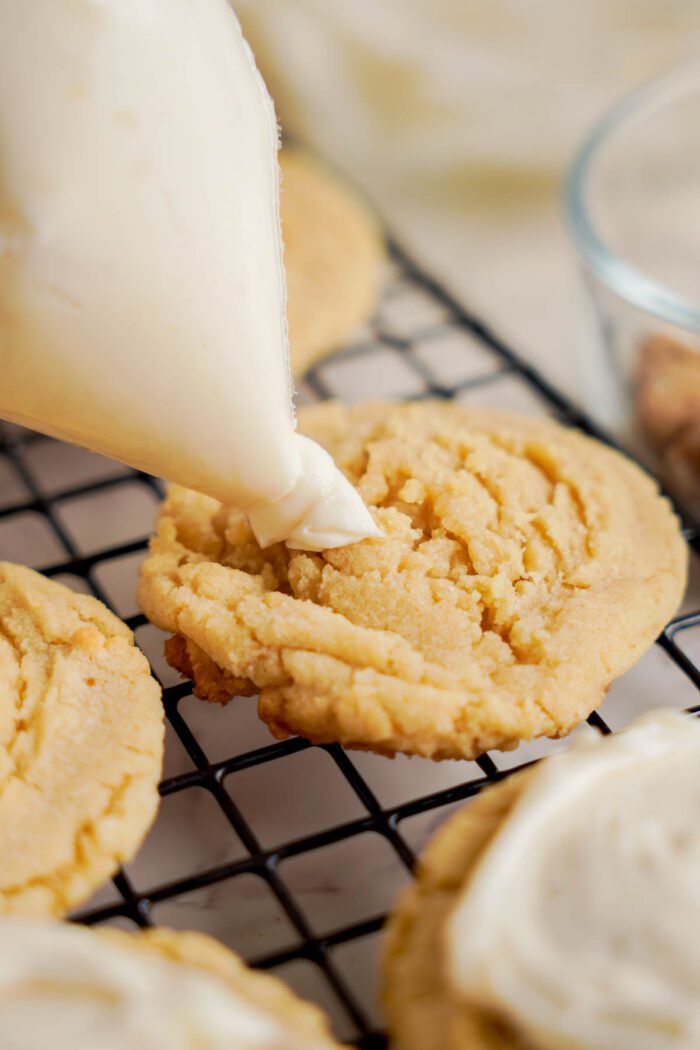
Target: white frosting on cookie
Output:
{"points": [[581, 923], [142, 294], [309, 517], [63, 987]]}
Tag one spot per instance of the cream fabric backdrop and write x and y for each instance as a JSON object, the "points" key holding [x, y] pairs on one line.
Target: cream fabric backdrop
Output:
{"points": [[459, 117]]}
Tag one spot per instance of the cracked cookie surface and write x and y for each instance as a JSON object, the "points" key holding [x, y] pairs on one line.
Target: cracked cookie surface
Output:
{"points": [[81, 744], [523, 567]]}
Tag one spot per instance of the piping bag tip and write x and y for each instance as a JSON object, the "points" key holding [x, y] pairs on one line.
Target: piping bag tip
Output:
{"points": [[321, 511]]}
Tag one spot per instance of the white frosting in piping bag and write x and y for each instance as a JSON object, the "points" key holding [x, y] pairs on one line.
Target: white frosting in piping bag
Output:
{"points": [[308, 516], [142, 290], [64, 987], [582, 921]]}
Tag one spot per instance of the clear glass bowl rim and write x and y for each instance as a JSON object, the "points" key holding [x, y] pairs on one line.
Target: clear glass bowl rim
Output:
{"points": [[624, 279]]}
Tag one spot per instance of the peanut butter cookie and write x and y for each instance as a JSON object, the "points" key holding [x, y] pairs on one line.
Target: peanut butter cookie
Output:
{"points": [[523, 567], [333, 257], [81, 744]]}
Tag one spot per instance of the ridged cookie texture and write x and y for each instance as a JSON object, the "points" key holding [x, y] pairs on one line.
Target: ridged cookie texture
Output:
{"points": [[81, 744], [422, 1010], [333, 257], [523, 567]]}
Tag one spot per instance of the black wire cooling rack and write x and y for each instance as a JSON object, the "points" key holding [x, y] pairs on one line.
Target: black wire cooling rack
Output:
{"points": [[421, 344]]}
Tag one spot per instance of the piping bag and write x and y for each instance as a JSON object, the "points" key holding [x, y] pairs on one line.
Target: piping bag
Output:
{"points": [[142, 294]]}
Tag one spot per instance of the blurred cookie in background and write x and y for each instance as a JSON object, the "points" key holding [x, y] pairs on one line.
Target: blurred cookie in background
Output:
{"points": [[333, 256]]}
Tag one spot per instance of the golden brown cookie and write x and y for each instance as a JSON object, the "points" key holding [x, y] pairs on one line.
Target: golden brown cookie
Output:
{"points": [[333, 256], [422, 1010], [523, 568], [81, 744]]}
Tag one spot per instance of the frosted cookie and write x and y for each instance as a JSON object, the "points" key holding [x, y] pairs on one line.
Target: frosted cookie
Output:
{"points": [[81, 744], [523, 567], [333, 256], [66, 987], [560, 909]]}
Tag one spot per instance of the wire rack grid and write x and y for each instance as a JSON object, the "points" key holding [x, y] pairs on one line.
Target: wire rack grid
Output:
{"points": [[288, 852]]}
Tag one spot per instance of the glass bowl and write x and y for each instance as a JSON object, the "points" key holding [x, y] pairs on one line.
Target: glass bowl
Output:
{"points": [[633, 207]]}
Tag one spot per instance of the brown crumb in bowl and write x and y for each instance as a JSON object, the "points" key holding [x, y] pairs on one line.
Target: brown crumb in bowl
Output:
{"points": [[503, 597], [667, 401]]}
